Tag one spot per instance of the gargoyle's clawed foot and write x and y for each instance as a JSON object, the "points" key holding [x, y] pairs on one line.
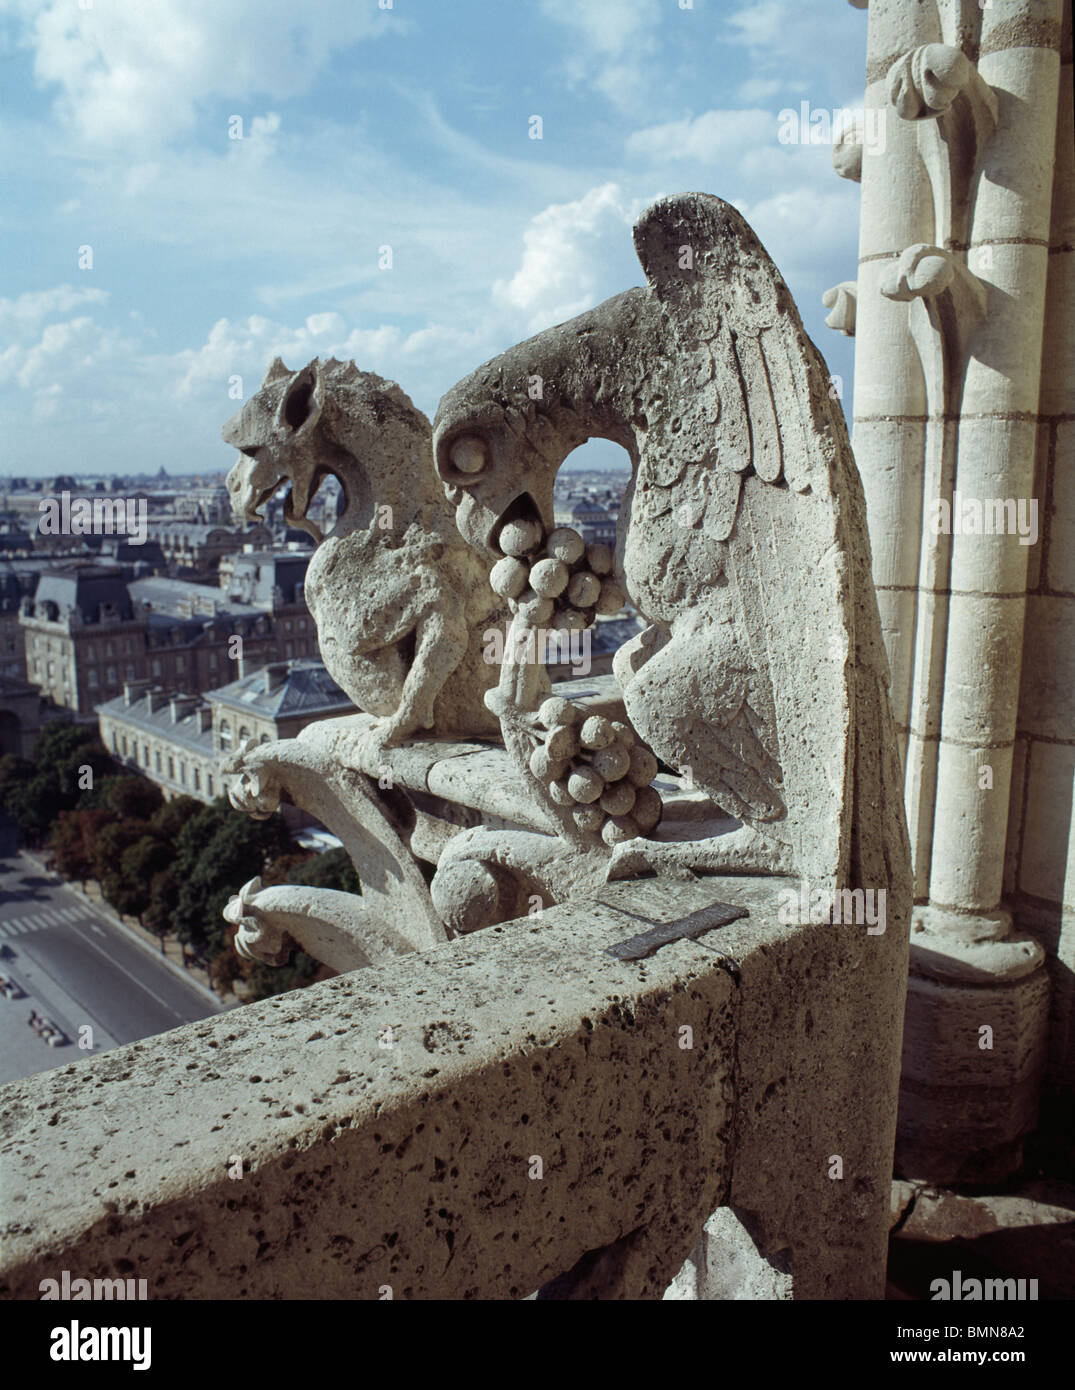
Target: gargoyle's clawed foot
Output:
{"points": [[257, 939], [741, 851], [372, 749], [639, 855]]}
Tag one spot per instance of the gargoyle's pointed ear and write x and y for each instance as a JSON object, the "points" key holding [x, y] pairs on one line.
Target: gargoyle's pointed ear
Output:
{"points": [[680, 236], [276, 371], [300, 408]]}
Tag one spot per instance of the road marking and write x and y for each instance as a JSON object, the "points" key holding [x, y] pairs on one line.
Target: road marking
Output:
{"points": [[116, 965], [96, 928]]}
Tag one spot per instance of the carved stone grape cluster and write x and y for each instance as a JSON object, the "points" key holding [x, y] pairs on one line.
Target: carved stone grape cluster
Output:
{"points": [[565, 587], [597, 767]]}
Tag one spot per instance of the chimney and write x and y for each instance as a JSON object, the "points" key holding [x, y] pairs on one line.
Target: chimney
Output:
{"points": [[205, 718], [181, 705], [155, 699], [275, 674], [134, 690]]}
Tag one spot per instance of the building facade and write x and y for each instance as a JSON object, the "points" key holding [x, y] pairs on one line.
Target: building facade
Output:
{"points": [[89, 632], [179, 741]]}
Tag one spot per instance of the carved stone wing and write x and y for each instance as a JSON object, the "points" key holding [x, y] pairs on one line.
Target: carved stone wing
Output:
{"points": [[755, 458]]}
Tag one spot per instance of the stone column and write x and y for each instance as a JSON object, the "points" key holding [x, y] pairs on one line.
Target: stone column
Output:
{"points": [[890, 394], [1040, 860], [965, 184]]}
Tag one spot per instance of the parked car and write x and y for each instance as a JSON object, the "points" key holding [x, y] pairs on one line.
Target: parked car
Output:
{"points": [[10, 988]]}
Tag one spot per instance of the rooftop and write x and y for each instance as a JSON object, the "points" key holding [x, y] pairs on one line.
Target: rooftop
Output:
{"points": [[284, 689], [93, 592], [182, 598]]}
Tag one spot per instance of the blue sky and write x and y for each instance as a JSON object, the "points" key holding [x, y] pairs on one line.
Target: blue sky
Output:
{"points": [[364, 127]]}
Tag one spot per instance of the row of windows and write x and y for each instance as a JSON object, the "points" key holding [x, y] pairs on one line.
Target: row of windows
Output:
{"points": [[224, 736], [91, 649], [111, 677], [121, 747]]}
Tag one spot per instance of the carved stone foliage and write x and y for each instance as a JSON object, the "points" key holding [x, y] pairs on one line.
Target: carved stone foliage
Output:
{"points": [[842, 301], [941, 88], [760, 678]]}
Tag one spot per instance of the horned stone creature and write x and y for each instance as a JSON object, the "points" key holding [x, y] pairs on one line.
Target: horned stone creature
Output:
{"points": [[742, 541], [399, 601]]}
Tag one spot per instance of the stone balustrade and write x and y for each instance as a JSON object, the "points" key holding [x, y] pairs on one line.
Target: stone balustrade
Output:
{"points": [[479, 1119]]}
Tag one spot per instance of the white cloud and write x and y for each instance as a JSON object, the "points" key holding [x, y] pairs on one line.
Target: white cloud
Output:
{"points": [[806, 48], [761, 24], [564, 248], [614, 44], [47, 402], [609, 27], [759, 88], [808, 231], [144, 73], [77, 341], [711, 136], [34, 306], [246, 347]]}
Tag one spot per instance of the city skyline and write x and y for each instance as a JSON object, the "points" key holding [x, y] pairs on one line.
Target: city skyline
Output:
{"points": [[387, 200]]}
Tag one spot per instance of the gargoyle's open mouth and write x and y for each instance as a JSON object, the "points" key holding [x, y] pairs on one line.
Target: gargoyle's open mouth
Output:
{"points": [[254, 509], [524, 516], [250, 486]]}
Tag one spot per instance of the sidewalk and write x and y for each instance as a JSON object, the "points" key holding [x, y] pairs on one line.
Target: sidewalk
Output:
{"points": [[172, 955]]}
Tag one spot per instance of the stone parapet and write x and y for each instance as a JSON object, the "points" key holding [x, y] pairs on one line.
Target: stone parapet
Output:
{"points": [[474, 1120]]}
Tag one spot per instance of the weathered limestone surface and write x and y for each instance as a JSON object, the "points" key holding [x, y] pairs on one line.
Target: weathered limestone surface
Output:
{"points": [[743, 493], [760, 681], [1025, 1234], [744, 496], [726, 1265], [400, 603], [366, 1165]]}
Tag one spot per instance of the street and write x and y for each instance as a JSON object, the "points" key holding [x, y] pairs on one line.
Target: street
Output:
{"points": [[76, 969]]}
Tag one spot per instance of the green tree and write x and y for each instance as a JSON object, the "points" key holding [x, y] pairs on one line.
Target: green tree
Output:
{"points": [[128, 888], [332, 869], [169, 820], [218, 850], [133, 798], [157, 916], [14, 772], [68, 766], [73, 842], [111, 841]]}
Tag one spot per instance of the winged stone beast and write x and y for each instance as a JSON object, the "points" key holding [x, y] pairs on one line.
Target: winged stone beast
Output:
{"points": [[742, 542]]}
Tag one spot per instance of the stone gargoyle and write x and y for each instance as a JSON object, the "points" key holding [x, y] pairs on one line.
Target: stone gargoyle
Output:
{"points": [[399, 600], [402, 606], [761, 675]]}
